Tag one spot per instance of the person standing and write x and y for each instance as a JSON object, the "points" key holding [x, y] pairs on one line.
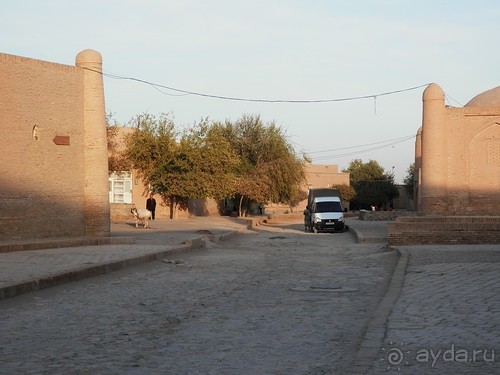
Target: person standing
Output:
{"points": [[151, 206]]}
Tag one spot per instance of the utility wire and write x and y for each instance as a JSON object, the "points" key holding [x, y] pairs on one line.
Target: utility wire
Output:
{"points": [[351, 153], [366, 144], [392, 142], [158, 86], [448, 100]]}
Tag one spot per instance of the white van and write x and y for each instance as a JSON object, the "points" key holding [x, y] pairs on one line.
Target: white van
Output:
{"points": [[324, 214]]}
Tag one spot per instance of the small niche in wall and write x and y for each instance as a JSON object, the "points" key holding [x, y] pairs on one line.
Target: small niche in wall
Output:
{"points": [[35, 133]]}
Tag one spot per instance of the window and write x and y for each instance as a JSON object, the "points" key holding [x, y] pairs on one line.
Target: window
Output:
{"points": [[120, 187], [328, 207]]}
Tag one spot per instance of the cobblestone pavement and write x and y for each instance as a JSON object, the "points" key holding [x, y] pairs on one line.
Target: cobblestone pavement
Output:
{"points": [[23, 271], [447, 317], [277, 301], [271, 301]]}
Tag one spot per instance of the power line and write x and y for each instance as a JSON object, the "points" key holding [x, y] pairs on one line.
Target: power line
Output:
{"points": [[448, 97], [364, 145], [158, 86], [351, 153]]}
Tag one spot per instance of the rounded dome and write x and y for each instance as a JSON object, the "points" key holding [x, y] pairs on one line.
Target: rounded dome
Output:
{"points": [[88, 56], [489, 98], [433, 92]]}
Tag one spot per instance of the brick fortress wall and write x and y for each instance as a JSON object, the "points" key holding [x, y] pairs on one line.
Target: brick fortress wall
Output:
{"points": [[457, 164], [458, 157], [53, 170]]}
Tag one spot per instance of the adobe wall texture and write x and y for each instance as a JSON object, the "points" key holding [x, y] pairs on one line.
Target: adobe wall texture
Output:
{"points": [[53, 173], [458, 156], [319, 176], [448, 230]]}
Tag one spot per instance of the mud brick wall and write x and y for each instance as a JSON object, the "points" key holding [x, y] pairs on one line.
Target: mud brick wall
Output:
{"points": [[444, 230], [457, 155], [53, 170]]}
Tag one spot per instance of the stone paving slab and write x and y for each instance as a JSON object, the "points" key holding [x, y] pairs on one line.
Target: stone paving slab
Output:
{"points": [[51, 243], [367, 231], [35, 266], [28, 265], [443, 300], [446, 319], [272, 301]]}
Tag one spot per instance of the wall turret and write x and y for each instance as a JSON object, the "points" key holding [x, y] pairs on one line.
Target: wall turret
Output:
{"points": [[96, 196]]}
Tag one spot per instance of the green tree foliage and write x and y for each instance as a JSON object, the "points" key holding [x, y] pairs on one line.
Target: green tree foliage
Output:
{"points": [[409, 180], [248, 159], [196, 163], [372, 185], [360, 171], [208, 163], [117, 162], [152, 149], [269, 170], [347, 191]]}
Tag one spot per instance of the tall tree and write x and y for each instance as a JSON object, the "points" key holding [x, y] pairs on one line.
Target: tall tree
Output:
{"points": [[368, 171], [117, 162], [347, 191], [372, 184], [269, 170], [152, 148], [409, 180], [196, 163], [207, 163]]}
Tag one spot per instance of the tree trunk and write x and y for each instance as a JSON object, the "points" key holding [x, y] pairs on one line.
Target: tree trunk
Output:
{"points": [[240, 213], [172, 206]]}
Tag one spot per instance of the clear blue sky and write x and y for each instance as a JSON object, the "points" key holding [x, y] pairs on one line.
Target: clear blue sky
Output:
{"points": [[276, 50]]}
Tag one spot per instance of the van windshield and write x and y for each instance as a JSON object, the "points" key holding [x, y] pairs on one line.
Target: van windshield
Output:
{"points": [[328, 207]]}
